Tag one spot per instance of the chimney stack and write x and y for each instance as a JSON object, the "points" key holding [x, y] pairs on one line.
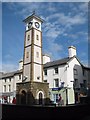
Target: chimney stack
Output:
{"points": [[20, 64], [46, 58], [72, 51]]}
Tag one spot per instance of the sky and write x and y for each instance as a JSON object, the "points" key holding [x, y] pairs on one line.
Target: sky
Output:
{"points": [[65, 24]]}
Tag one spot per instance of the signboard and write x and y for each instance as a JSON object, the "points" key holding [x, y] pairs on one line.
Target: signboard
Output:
{"points": [[56, 89]]}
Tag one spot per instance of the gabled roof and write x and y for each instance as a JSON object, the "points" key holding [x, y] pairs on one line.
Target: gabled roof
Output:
{"points": [[57, 62], [10, 74], [85, 67], [63, 62]]}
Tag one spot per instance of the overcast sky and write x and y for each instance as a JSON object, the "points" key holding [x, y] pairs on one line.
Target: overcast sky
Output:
{"points": [[66, 24]]}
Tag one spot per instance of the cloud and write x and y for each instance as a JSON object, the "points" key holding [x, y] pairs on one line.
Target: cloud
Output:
{"points": [[54, 50], [8, 67], [67, 19], [57, 23]]}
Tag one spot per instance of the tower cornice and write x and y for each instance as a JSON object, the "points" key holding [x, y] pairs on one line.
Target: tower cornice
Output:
{"points": [[31, 17]]}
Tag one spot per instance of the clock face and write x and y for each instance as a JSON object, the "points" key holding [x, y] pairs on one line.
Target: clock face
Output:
{"points": [[37, 24], [29, 24]]}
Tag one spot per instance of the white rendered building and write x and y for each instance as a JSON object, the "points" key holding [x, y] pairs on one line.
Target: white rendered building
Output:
{"points": [[67, 77], [8, 84]]}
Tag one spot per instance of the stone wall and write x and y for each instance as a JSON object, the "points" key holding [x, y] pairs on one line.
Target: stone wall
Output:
{"points": [[30, 90]]}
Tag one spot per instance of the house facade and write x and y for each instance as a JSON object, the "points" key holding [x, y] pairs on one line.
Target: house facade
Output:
{"points": [[8, 85], [67, 77]]}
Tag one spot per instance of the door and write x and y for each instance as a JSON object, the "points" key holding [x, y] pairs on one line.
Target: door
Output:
{"points": [[23, 97], [40, 98]]}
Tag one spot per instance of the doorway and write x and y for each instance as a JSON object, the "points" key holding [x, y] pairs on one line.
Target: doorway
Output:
{"points": [[40, 98], [23, 97]]}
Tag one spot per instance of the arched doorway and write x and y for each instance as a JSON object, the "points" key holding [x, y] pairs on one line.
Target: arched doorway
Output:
{"points": [[23, 97], [40, 98]]}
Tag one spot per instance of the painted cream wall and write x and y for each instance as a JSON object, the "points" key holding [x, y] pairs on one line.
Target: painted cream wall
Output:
{"points": [[27, 60], [37, 42], [27, 72], [71, 97], [28, 42], [37, 72], [37, 59]]}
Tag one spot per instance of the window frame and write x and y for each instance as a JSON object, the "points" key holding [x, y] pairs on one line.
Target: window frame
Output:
{"points": [[9, 79], [27, 54], [37, 37], [4, 88], [28, 37], [37, 54], [56, 70], [45, 72], [75, 72], [19, 76], [56, 83], [9, 88]]}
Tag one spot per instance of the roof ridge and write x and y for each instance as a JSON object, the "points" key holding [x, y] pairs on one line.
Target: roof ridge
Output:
{"points": [[59, 59]]}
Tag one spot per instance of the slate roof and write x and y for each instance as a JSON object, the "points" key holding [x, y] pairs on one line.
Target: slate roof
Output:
{"points": [[85, 67], [10, 74], [57, 62]]}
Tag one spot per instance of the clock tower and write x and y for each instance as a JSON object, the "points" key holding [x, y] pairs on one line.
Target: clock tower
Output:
{"points": [[33, 90]]}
